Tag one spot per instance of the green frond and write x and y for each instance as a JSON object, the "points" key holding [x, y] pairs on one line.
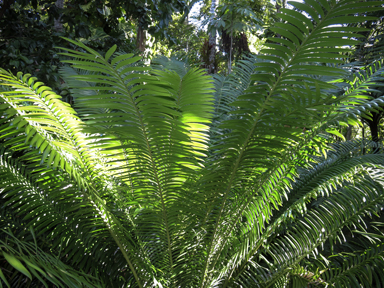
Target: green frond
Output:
{"points": [[49, 125], [364, 85], [271, 115], [24, 263], [362, 196], [360, 268], [155, 129], [57, 210], [52, 129], [326, 221], [321, 180], [163, 63], [228, 88]]}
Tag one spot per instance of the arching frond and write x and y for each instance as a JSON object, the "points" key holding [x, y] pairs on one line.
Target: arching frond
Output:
{"points": [[357, 268], [269, 118], [156, 128], [49, 127], [24, 263]]}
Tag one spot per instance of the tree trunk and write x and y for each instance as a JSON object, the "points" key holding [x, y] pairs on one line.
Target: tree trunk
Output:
{"points": [[374, 127], [348, 135], [187, 21], [230, 52], [374, 131], [141, 38], [212, 41], [58, 26]]}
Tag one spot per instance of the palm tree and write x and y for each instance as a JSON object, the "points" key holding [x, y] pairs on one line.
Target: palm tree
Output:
{"points": [[162, 179]]}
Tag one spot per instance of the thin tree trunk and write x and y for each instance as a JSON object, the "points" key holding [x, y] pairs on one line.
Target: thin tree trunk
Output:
{"points": [[230, 52], [212, 41], [374, 127], [187, 20], [363, 134], [57, 24], [374, 131], [348, 135], [141, 38]]}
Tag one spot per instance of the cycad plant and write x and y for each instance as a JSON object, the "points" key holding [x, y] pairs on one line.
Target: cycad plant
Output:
{"points": [[163, 179]]}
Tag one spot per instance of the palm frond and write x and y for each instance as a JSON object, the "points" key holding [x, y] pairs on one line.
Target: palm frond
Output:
{"points": [[52, 128], [162, 132], [274, 112], [356, 269], [318, 180], [64, 219], [24, 263]]}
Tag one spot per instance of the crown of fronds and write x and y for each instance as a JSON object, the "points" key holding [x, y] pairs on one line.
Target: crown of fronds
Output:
{"points": [[164, 179]]}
